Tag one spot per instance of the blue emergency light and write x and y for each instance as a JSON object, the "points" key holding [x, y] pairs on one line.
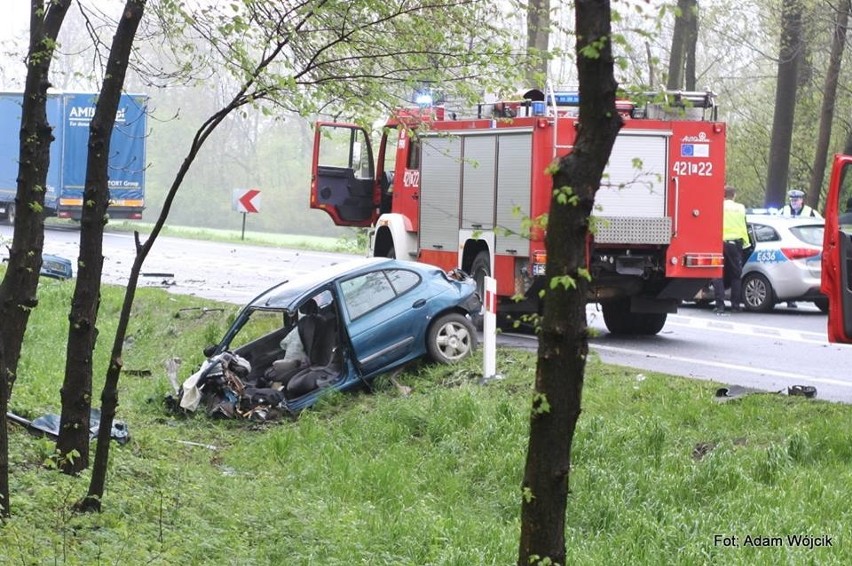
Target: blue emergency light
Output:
{"points": [[567, 98]]}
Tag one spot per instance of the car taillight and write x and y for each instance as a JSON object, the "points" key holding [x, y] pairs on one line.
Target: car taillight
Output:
{"points": [[799, 253]]}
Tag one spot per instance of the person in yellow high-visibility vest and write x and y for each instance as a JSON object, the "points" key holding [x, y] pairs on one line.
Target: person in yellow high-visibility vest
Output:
{"points": [[734, 236]]}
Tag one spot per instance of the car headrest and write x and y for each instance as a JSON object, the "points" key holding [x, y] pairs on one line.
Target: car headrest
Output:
{"points": [[310, 307]]}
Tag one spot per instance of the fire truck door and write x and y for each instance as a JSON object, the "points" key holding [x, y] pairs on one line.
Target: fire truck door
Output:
{"points": [[343, 180], [837, 251]]}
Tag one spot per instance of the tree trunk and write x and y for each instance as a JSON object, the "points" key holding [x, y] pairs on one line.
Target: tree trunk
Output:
{"points": [[676, 54], [690, 14], [538, 39], [828, 101], [82, 333], [785, 103], [19, 289], [563, 342], [682, 54]]}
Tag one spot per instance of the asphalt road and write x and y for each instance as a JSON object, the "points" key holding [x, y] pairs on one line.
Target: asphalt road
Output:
{"points": [[770, 351]]}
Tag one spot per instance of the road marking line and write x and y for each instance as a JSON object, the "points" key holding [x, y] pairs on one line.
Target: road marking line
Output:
{"points": [[723, 365]]}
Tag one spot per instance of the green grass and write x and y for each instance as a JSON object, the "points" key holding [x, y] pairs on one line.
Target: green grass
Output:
{"points": [[430, 478], [355, 242]]}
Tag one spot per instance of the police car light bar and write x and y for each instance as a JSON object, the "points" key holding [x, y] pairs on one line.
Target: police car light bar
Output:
{"points": [[696, 99]]}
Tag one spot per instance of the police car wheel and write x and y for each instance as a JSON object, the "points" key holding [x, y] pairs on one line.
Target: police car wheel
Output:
{"points": [[758, 294]]}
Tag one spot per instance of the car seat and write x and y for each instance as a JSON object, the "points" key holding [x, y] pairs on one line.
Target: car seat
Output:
{"points": [[321, 340]]}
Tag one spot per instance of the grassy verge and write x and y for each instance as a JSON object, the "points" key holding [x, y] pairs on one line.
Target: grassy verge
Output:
{"points": [[354, 242], [660, 469]]}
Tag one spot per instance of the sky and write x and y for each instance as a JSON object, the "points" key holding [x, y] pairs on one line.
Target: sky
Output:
{"points": [[16, 14]]}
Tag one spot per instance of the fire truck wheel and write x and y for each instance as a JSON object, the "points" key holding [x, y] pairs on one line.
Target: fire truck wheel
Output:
{"points": [[479, 270], [619, 319], [758, 294], [450, 338], [649, 323]]}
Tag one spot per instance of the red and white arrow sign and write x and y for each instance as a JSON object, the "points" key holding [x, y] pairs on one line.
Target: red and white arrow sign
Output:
{"points": [[246, 200]]}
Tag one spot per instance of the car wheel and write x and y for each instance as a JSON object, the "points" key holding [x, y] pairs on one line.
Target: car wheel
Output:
{"points": [[758, 295], [822, 304], [450, 338]]}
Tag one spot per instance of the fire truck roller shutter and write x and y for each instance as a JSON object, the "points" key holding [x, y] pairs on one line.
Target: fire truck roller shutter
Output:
{"points": [[479, 175], [440, 199], [514, 181], [632, 197]]}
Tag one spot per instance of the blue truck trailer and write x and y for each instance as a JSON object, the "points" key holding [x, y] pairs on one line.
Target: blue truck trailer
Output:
{"points": [[70, 115]]}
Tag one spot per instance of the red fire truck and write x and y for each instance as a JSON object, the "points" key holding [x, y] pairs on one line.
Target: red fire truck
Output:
{"points": [[466, 192]]}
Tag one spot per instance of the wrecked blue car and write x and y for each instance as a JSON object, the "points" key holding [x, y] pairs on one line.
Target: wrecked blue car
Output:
{"points": [[334, 330]]}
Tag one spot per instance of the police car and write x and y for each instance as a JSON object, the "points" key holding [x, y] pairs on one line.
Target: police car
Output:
{"points": [[785, 262]]}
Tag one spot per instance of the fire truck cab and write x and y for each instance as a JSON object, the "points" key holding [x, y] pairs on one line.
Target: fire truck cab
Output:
{"points": [[473, 193]]}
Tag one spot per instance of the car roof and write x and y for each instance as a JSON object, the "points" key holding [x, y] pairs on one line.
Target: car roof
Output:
{"points": [[289, 293], [778, 220]]}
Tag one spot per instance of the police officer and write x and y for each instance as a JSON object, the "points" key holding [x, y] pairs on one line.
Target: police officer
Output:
{"points": [[735, 236], [797, 207]]}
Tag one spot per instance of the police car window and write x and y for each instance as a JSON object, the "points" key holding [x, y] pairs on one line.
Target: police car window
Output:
{"points": [[402, 279], [366, 292], [763, 233], [809, 234]]}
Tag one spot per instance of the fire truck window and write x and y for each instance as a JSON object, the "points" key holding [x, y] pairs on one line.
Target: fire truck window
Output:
{"points": [[413, 154], [361, 161], [346, 148], [335, 148], [844, 199], [390, 149]]}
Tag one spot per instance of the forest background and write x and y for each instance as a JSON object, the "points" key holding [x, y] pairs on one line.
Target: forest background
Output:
{"points": [[736, 57]]}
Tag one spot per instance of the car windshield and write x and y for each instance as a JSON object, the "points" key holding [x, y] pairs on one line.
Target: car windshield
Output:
{"points": [[809, 234]]}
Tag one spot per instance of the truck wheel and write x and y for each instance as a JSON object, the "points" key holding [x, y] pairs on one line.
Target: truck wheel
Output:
{"points": [[450, 338], [479, 270], [619, 319], [758, 295], [649, 323], [616, 315]]}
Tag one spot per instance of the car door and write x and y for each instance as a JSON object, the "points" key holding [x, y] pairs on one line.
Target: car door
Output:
{"points": [[837, 251], [343, 181], [386, 312]]}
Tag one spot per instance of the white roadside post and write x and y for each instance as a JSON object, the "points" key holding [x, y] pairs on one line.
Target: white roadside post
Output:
{"points": [[489, 330]]}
